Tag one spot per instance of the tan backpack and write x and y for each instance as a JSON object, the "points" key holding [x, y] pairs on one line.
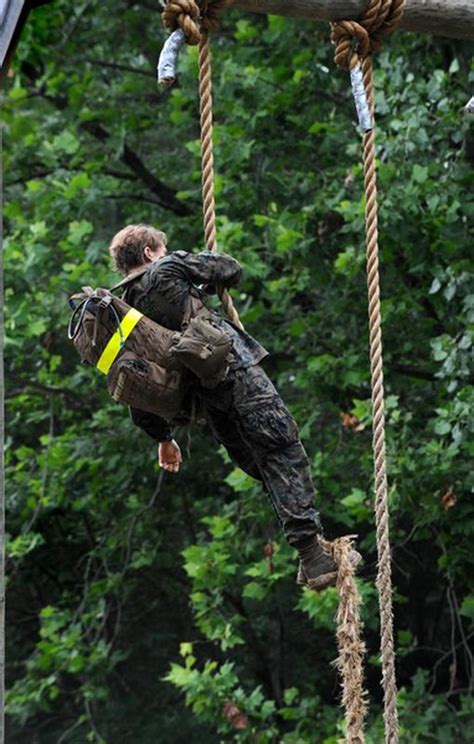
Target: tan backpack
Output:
{"points": [[147, 365]]}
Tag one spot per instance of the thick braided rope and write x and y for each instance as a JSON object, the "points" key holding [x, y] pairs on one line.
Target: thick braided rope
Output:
{"points": [[207, 153], [382, 17], [384, 573], [207, 168], [193, 17], [350, 661], [183, 14], [197, 21]]}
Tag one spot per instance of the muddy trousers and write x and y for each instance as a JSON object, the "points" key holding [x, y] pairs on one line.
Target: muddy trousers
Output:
{"points": [[247, 416]]}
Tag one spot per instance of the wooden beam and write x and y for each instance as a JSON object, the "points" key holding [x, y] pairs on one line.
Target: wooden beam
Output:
{"points": [[451, 18]]}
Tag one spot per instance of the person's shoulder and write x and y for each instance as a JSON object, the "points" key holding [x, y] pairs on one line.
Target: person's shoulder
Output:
{"points": [[171, 258], [183, 255], [188, 257], [176, 257], [173, 265]]}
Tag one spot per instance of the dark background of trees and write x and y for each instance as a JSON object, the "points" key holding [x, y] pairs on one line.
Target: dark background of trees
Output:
{"points": [[141, 612]]}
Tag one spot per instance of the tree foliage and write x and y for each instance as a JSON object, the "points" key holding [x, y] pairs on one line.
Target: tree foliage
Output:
{"points": [[149, 608]]}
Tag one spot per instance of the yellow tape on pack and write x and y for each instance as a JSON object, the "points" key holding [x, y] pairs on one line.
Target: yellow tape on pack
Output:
{"points": [[116, 341]]}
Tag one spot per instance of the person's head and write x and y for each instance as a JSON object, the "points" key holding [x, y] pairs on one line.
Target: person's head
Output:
{"points": [[136, 245]]}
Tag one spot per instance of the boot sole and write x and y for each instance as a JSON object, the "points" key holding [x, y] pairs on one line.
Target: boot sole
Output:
{"points": [[329, 579], [322, 582]]}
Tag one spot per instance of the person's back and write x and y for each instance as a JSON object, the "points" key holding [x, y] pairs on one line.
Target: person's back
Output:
{"points": [[162, 293]]}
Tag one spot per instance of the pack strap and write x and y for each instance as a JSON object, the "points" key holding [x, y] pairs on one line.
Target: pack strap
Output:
{"points": [[117, 341], [195, 306], [130, 278]]}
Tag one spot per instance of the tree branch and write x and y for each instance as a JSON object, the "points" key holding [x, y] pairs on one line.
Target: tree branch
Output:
{"points": [[136, 197], [411, 371], [75, 400], [40, 173], [40, 387], [120, 175], [166, 194], [123, 68]]}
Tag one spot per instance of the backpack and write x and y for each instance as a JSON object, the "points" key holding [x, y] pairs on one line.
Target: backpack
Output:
{"points": [[147, 365]]}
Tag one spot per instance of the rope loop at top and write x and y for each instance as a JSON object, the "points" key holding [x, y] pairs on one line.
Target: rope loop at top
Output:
{"points": [[193, 17], [356, 40]]}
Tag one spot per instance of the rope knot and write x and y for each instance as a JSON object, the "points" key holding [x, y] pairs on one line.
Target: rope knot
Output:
{"points": [[183, 14], [193, 17], [210, 12], [356, 40], [352, 43]]}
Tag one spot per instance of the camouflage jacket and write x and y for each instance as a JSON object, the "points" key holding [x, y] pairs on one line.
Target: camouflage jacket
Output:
{"points": [[162, 294]]}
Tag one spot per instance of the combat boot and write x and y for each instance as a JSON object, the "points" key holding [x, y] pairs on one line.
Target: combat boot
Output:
{"points": [[318, 569]]}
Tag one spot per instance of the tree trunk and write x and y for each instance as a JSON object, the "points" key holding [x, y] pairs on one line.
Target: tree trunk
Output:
{"points": [[453, 18]]}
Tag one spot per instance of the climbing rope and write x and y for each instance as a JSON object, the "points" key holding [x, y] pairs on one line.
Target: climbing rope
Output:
{"points": [[351, 647], [196, 21], [355, 42]]}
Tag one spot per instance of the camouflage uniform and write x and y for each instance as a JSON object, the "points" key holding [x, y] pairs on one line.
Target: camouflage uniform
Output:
{"points": [[245, 412]]}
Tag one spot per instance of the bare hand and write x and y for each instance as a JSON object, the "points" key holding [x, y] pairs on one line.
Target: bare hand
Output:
{"points": [[169, 456]]}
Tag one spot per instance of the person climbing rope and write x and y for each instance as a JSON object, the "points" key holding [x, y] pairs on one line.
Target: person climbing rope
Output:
{"points": [[244, 412]]}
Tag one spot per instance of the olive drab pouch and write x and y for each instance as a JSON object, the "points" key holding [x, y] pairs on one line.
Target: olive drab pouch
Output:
{"points": [[203, 347], [145, 385], [130, 349]]}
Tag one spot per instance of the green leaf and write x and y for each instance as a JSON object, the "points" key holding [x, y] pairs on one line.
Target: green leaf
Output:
{"points": [[442, 427], [78, 230], [24, 544], [66, 142], [253, 590], [185, 649], [239, 481], [420, 173], [467, 607]]}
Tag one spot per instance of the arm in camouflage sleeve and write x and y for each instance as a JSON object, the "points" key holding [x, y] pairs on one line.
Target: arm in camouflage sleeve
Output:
{"points": [[156, 427], [211, 268]]}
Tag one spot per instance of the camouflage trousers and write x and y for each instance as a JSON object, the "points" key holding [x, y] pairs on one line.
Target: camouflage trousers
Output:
{"points": [[247, 416]]}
